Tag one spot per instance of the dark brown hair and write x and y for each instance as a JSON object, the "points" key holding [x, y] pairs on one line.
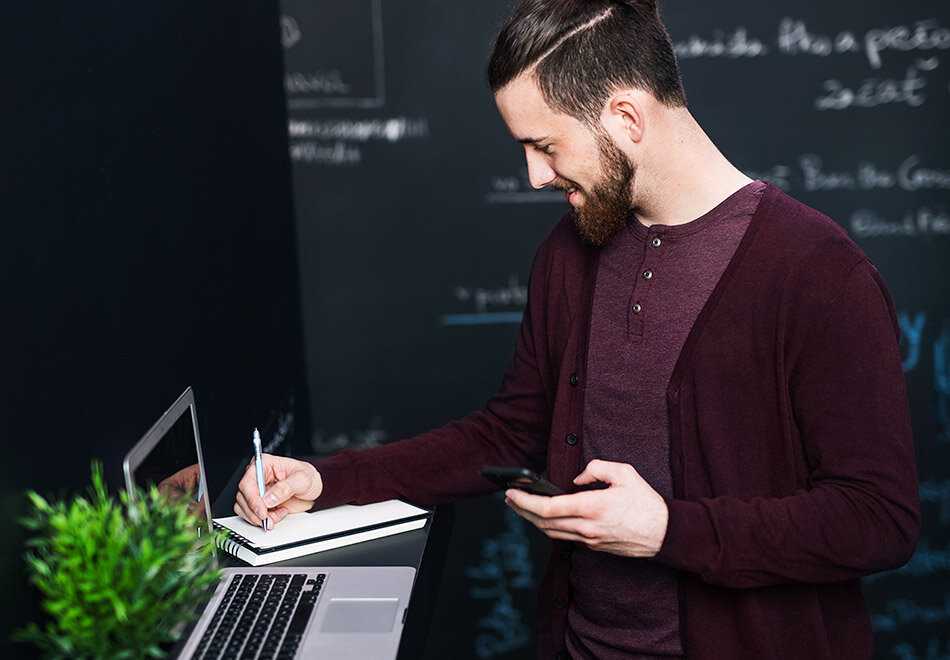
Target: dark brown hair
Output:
{"points": [[584, 49]]}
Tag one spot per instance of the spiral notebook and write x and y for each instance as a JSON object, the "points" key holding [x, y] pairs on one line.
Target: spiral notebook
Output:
{"points": [[305, 533]]}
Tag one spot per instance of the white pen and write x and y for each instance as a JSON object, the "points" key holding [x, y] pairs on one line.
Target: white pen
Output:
{"points": [[259, 468]]}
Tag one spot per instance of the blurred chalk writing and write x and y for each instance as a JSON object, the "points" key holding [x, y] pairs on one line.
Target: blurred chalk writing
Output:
{"points": [[902, 611], [373, 435], [486, 306], [910, 174], [283, 430], [937, 492], [934, 649], [338, 63], [341, 141], [921, 39], [912, 332], [942, 383], [505, 568], [926, 561], [517, 189]]}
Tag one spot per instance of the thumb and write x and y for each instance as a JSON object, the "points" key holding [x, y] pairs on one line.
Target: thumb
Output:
{"points": [[597, 470], [296, 483]]}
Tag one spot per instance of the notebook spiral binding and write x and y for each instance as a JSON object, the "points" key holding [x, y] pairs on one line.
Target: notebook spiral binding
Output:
{"points": [[233, 540]]}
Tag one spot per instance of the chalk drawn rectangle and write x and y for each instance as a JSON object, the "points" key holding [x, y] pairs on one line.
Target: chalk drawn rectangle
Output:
{"points": [[335, 63]]}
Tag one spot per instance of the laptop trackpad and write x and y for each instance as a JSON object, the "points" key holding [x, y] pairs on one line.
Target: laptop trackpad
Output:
{"points": [[360, 615]]}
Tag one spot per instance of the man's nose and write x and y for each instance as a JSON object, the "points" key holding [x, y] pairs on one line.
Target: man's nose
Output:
{"points": [[540, 173]]}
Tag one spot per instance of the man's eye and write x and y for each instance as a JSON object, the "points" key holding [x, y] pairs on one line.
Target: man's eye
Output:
{"points": [[545, 149]]}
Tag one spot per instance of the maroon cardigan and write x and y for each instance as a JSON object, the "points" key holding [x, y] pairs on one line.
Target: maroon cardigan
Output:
{"points": [[790, 441]]}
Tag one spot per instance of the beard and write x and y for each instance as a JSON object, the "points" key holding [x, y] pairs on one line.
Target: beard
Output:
{"points": [[608, 203]]}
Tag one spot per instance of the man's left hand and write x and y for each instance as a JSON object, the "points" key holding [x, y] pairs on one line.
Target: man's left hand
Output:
{"points": [[628, 518]]}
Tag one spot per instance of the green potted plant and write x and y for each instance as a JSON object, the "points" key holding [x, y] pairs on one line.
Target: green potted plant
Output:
{"points": [[119, 578]]}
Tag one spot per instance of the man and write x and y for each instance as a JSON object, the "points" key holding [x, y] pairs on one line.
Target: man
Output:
{"points": [[721, 355]]}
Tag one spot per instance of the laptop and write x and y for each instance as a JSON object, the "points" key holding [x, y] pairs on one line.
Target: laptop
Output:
{"points": [[270, 612]]}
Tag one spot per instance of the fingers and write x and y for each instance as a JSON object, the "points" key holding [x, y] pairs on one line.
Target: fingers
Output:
{"points": [[558, 506], [569, 528], [610, 472], [243, 509], [298, 483], [248, 488], [293, 505]]}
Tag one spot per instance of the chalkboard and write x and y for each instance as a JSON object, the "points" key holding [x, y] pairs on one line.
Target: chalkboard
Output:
{"points": [[416, 226]]}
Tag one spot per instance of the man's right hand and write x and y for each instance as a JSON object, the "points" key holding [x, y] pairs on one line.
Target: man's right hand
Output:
{"points": [[291, 486]]}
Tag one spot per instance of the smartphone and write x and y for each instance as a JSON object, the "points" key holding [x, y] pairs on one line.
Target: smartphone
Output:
{"points": [[522, 478]]}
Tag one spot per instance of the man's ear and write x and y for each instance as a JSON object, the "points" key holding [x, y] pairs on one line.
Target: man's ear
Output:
{"points": [[625, 113]]}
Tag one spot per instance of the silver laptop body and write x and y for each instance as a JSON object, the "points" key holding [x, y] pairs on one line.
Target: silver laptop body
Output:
{"points": [[266, 612]]}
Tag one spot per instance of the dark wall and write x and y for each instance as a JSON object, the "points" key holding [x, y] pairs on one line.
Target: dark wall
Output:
{"points": [[148, 241], [417, 226]]}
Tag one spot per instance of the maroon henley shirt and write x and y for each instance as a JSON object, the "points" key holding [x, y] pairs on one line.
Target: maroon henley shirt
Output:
{"points": [[651, 284]]}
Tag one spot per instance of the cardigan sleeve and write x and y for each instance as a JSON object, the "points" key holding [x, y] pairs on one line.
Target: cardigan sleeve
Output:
{"points": [[860, 512], [443, 464]]}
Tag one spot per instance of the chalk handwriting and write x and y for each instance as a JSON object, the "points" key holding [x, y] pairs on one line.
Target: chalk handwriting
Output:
{"points": [[290, 32], [316, 82], [906, 650], [336, 153], [937, 492], [794, 37], [362, 86], [910, 175], [912, 332], [505, 566], [902, 611], [925, 561], [392, 129], [924, 35], [512, 294], [736, 43], [518, 190], [372, 436], [941, 352], [338, 141], [873, 92], [778, 175], [915, 222], [285, 424]]}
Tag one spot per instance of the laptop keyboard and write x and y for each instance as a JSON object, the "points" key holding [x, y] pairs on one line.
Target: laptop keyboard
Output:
{"points": [[261, 616]]}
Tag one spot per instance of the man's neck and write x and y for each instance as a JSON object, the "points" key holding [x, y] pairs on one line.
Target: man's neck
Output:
{"points": [[687, 178]]}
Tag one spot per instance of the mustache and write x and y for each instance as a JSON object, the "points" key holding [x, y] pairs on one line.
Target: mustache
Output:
{"points": [[564, 185]]}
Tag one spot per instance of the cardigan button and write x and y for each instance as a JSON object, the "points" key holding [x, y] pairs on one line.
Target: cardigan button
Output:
{"points": [[571, 439], [573, 379]]}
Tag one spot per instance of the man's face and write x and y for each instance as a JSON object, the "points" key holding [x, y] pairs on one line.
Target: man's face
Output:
{"points": [[566, 154]]}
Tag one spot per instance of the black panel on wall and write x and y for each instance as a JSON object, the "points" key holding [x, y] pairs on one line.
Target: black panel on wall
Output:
{"points": [[417, 225], [148, 241]]}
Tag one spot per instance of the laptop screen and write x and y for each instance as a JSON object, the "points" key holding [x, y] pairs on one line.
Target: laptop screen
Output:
{"points": [[169, 456]]}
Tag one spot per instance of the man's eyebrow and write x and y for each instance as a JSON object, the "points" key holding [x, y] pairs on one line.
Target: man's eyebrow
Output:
{"points": [[531, 140]]}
